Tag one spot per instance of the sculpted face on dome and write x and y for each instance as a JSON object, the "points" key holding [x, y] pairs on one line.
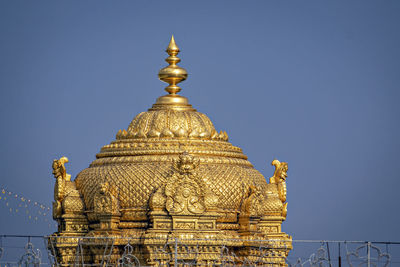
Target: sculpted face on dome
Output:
{"points": [[169, 175], [186, 163]]}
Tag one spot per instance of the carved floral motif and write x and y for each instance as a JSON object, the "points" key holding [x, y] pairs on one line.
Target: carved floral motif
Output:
{"points": [[185, 191]]}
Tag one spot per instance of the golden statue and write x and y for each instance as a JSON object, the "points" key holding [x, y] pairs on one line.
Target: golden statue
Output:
{"points": [[171, 176], [279, 177], [62, 177]]}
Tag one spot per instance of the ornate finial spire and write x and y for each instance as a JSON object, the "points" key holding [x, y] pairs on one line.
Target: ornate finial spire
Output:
{"points": [[172, 74]]}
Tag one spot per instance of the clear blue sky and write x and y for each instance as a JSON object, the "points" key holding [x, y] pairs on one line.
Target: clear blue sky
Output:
{"points": [[313, 83]]}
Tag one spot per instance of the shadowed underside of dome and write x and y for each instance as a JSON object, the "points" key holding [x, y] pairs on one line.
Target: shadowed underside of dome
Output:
{"points": [[171, 174]]}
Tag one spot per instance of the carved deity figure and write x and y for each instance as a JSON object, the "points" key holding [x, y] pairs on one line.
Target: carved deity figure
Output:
{"points": [[106, 207], [104, 201], [253, 203]]}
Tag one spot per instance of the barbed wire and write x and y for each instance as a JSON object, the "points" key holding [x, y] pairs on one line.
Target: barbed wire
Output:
{"points": [[310, 256]]}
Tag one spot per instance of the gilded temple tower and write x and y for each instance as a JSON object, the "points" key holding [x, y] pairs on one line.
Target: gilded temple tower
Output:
{"points": [[170, 176]]}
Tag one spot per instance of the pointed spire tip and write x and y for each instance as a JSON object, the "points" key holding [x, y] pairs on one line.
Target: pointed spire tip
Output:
{"points": [[172, 45]]}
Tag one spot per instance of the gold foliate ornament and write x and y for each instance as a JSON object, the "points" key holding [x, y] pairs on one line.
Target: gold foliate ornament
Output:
{"points": [[185, 191], [171, 176]]}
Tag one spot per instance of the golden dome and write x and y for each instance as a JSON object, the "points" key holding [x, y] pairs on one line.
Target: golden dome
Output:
{"points": [[139, 160], [171, 176]]}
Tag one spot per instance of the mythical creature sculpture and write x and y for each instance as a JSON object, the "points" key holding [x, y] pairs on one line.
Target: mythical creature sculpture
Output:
{"points": [[279, 178], [68, 207], [62, 177], [59, 168]]}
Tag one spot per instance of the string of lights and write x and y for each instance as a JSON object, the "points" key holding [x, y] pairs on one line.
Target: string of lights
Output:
{"points": [[33, 210]]}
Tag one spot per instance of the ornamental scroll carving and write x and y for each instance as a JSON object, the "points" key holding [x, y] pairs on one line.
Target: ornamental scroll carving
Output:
{"points": [[185, 192]]}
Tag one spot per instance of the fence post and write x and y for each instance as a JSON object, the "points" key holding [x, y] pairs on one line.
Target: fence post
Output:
{"points": [[176, 253], [329, 254], [369, 253]]}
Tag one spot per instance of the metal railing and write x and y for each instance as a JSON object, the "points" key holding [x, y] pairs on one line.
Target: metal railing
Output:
{"points": [[18, 250]]}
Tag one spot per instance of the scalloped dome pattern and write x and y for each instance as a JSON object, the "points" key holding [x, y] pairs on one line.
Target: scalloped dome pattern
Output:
{"points": [[169, 123]]}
